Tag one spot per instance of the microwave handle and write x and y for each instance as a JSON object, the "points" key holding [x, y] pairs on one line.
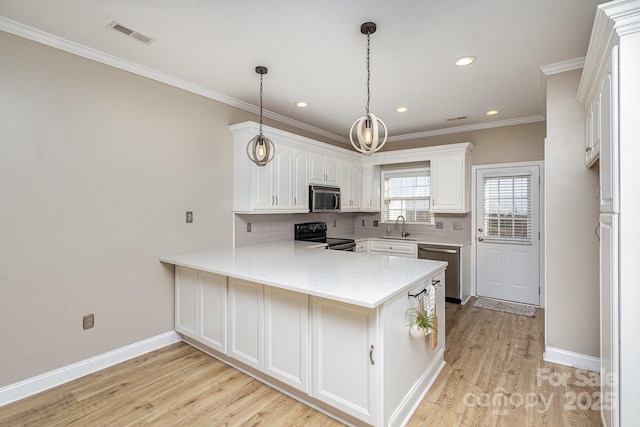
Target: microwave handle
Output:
{"points": [[336, 202]]}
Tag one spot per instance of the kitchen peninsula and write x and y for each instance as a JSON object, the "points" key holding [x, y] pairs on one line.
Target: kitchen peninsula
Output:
{"points": [[326, 327]]}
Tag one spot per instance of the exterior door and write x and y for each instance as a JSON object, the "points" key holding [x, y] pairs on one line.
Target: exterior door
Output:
{"points": [[508, 233]]}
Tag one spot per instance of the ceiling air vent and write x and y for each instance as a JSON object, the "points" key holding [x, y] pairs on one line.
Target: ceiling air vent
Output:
{"points": [[130, 32], [453, 119]]}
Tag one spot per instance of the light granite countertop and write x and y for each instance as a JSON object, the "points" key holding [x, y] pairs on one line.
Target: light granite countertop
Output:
{"points": [[355, 278]]}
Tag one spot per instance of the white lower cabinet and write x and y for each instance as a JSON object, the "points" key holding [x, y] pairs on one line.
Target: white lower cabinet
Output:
{"points": [[186, 301], [345, 358], [287, 336], [395, 248], [268, 331], [201, 304], [212, 309], [246, 335]]}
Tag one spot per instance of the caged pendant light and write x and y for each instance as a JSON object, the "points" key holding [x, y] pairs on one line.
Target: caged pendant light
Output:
{"points": [[260, 149], [366, 128]]}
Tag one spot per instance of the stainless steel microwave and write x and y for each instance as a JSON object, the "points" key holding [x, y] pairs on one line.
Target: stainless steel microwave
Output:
{"points": [[324, 199]]}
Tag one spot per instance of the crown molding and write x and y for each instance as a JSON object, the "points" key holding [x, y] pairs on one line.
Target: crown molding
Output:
{"points": [[56, 42], [558, 67], [467, 128], [612, 21]]}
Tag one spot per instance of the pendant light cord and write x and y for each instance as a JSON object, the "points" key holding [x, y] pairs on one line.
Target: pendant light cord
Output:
{"points": [[260, 104], [368, 70]]}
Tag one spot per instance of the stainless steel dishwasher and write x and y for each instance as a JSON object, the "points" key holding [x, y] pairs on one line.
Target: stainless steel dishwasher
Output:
{"points": [[451, 255]]}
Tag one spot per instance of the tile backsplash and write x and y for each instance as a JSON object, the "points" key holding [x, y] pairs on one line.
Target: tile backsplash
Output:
{"points": [[268, 228]]}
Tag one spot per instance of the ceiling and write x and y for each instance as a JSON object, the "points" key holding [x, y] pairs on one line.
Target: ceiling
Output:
{"points": [[315, 53]]}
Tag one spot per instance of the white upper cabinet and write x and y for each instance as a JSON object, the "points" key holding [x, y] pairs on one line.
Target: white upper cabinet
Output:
{"points": [[324, 170], [608, 146], [282, 186], [450, 186], [351, 186], [370, 187]]}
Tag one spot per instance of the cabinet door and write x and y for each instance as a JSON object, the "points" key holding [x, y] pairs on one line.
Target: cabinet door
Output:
{"points": [[286, 336], [370, 189], [332, 171], [186, 288], [283, 178], [345, 358], [263, 191], [355, 186], [300, 180], [447, 183], [345, 186], [609, 315], [316, 168], [245, 316], [609, 138], [212, 326]]}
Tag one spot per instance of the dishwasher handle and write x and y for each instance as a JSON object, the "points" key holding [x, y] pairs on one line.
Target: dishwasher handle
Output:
{"points": [[440, 251]]}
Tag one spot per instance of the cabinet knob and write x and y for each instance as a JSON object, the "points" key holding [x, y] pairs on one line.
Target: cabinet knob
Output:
{"points": [[588, 149]]}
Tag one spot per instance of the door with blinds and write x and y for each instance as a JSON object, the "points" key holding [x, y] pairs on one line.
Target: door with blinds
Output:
{"points": [[508, 233]]}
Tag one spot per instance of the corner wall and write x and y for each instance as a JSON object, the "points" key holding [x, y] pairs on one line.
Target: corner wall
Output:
{"points": [[571, 214]]}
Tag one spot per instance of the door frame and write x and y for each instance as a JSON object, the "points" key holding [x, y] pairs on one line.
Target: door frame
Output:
{"points": [[542, 218]]}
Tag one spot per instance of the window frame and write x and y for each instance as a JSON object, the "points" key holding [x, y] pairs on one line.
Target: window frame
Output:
{"points": [[400, 171]]}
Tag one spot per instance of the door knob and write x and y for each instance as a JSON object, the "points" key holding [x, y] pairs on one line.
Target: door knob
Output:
{"points": [[480, 230], [480, 239]]}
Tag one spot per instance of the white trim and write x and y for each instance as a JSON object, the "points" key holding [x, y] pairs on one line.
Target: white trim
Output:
{"points": [[569, 358], [51, 379], [467, 128], [56, 42], [561, 67], [541, 225]]}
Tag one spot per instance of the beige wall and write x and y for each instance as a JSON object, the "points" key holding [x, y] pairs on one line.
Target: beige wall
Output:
{"points": [[518, 143], [97, 169], [572, 311]]}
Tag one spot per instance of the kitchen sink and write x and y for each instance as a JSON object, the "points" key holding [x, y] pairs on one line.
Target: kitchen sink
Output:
{"points": [[398, 238]]}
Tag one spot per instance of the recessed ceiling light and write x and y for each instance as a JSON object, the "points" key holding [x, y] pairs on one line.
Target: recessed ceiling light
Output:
{"points": [[492, 112], [302, 104], [465, 60], [402, 109]]}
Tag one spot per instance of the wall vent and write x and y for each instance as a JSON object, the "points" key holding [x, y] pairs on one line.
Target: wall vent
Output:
{"points": [[453, 119], [130, 32]]}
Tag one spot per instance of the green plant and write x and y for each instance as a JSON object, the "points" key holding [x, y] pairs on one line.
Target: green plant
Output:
{"points": [[418, 319]]}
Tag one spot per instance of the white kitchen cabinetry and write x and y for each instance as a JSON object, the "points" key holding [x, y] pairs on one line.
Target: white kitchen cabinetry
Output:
{"points": [[287, 336], [201, 302], [370, 188], [281, 184], [450, 189], [351, 186], [345, 358], [362, 246], [212, 311], [324, 169], [395, 248], [300, 180], [186, 301], [610, 91], [246, 334]]}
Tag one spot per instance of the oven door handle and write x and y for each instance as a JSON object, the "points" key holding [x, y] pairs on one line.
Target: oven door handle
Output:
{"points": [[343, 247]]}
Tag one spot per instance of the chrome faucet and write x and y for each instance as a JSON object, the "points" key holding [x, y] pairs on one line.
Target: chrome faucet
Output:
{"points": [[402, 232]]}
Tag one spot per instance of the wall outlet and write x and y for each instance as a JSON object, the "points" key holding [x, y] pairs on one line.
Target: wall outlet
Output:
{"points": [[457, 226], [364, 222], [335, 223], [189, 217], [248, 227], [439, 225], [375, 222], [87, 321]]}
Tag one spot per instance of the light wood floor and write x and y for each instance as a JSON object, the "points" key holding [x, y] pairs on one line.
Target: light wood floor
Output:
{"points": [[490, 379]]}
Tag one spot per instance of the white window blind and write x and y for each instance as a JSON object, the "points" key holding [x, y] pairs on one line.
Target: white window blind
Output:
{"points": [[507, 209], [407, 193]]}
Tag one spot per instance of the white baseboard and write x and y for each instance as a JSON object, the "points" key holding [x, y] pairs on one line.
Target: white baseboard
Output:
{"points": [[569, 358], [51, 379]]}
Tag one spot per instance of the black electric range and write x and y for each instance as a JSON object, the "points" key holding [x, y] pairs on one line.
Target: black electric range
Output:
{"points": [[317, 232]]}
